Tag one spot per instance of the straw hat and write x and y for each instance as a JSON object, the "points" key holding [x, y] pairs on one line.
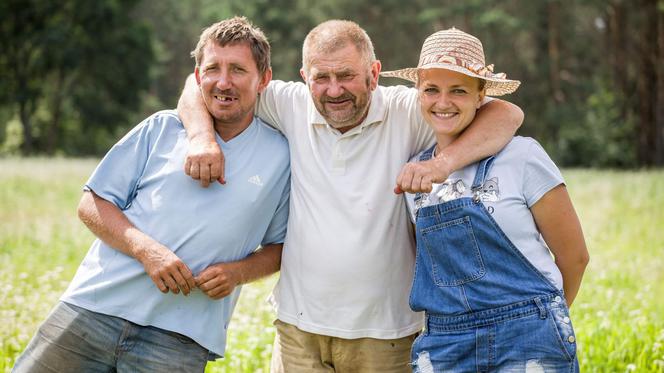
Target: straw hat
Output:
{"points": [[457, 51]]}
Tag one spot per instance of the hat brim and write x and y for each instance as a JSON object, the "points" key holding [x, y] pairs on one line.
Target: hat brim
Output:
{"points": [[494, 86]]}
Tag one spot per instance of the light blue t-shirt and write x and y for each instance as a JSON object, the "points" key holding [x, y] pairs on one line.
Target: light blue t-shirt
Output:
{"points": [[143, 175], [520, 175]]}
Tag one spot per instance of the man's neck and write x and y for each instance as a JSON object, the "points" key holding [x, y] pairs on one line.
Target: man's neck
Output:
{"points": [[227, 131]]}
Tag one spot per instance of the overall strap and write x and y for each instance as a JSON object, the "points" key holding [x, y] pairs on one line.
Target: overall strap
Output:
{"points": [[425, 156], [480, 176]]}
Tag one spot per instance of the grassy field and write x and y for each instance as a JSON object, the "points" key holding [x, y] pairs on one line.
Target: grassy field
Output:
{"points": [[618, 316]]}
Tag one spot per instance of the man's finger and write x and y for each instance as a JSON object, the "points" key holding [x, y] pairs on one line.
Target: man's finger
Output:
{"points": [[188, 276], [406, 178], [181, 282], [208, 284], [416, 183], [171, 284], [204, 277], [218, 293], [194, 171], [426, 184], [205, 175], [216, 170], [160, 284], [187, 166], [222, 177]]}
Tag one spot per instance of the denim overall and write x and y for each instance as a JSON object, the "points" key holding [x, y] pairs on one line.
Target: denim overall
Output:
{"points": [[488, 309]]}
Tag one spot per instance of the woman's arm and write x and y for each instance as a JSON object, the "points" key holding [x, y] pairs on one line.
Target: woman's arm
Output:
{"points": [[560, 227]]}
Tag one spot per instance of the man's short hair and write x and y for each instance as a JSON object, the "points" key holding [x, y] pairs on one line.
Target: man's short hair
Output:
{"points": [[330, 36], [233, 31]]}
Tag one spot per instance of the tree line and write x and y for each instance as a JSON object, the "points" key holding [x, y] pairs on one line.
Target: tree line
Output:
{"points": [[76, 74]]}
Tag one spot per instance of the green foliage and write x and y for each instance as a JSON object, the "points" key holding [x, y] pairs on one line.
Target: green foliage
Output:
{"points": [[76, 70], [72, 58], [604, 138], [618, 315]]}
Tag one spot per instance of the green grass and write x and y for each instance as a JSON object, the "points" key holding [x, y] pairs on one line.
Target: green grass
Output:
{"points": [[618, 316]]}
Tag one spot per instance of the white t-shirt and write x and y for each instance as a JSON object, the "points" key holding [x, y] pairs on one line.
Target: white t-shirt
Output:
{"points": [[520, 175], [348, 257]]}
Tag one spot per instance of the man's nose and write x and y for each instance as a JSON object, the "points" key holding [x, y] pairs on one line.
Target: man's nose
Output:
{"points": [[224, 80], [335, 89]]}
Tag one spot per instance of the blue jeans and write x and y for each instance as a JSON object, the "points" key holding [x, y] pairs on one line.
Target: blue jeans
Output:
{"points": [[73, 339]]}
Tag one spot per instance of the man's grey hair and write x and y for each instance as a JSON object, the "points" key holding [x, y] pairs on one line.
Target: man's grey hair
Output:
{"points": [[331, 36]]}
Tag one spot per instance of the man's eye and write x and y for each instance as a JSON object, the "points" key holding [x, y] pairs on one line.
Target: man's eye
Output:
{"points": [[431, 90], [459, 91]]}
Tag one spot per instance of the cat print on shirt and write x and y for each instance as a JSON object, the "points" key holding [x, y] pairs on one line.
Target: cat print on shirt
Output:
{"points": [[490, 191], [454, 189], [451, 190]]}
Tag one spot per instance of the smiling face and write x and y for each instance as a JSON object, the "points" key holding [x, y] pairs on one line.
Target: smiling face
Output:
{"points": [[448, 100], [340, 84], [230, 82]]}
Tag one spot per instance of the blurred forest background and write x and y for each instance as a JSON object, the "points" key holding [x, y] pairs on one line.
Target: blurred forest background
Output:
{"points": [[77, 74]]}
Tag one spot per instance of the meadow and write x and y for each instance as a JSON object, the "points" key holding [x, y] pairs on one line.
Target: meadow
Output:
{"points": [[618, 316]]}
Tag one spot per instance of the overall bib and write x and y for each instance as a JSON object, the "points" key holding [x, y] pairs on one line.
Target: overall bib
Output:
{"points": [[488, 309]]}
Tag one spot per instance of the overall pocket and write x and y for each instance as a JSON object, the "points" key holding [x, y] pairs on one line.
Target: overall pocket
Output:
{"points": [[453, 252]]}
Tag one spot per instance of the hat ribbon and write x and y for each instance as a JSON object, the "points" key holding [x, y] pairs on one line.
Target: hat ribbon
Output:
{"points": [[476, 67]]}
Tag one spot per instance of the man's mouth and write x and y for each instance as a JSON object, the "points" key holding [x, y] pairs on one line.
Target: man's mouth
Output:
{"points": [[338, 101], [224, 98]]}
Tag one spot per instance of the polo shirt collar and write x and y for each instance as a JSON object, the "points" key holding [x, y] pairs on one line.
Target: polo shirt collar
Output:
{"points": [[376, 115]]}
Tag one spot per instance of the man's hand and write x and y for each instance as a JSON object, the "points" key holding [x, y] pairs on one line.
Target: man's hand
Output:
{"points": [[418, 177], [205, 162], [219, 280], [166, 270]]}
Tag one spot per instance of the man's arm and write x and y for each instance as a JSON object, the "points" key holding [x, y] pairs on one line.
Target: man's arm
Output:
{"points": [[205, 160], [494, 126], [111, 225], [219, 280]]}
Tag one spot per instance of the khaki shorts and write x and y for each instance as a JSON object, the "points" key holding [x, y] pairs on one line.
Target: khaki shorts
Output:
{"points": [[298, 351]]}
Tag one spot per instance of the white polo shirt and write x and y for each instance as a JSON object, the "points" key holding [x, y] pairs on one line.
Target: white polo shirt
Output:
{"points": [[348, 257]]}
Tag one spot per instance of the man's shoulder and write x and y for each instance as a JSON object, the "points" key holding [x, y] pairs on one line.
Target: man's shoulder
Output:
{"points": [[398, 97], [166, 119], [397, 91], [269, 134], [161, 122], [284, 87]]}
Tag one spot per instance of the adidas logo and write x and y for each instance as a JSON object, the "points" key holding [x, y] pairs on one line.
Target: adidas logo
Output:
{"points": [[255, 180]]}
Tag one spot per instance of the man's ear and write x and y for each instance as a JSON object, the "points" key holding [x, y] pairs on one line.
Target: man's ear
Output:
{"points": [[375, 73], [197, 74], [303, 74], [265, 80]]}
